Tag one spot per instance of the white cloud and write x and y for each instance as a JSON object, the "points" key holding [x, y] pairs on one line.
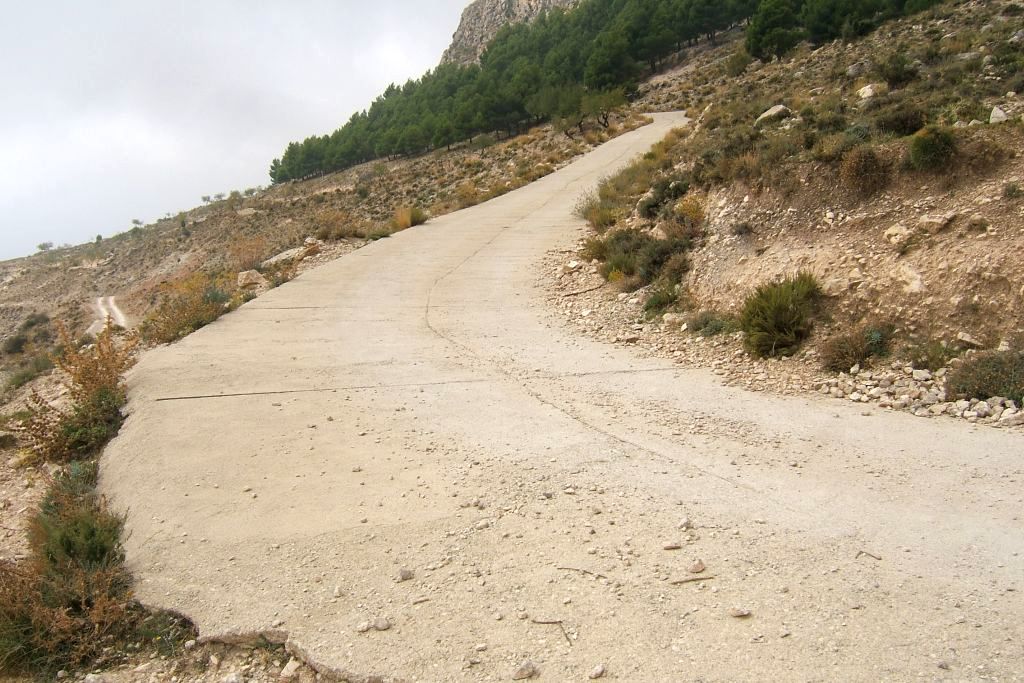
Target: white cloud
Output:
{"points": [[122, 110]]}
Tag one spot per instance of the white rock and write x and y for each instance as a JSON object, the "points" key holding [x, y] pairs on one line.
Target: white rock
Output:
{"points": [[998, 116], [598, 672], [525, 670], [922, 375], [776, 113], [867, 92], [290, 669], [252, 279], [1014, 420], [285, 256], [969, 340]]}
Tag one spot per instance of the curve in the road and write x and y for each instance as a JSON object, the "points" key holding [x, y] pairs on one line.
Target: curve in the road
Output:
{"points": [[417, 404]]}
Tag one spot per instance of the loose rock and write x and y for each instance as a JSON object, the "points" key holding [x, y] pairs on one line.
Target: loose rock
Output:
{"points": [[525, 670]]}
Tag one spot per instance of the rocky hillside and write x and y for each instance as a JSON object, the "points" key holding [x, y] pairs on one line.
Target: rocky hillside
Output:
{"points": [[817, 163], [484, 18]]}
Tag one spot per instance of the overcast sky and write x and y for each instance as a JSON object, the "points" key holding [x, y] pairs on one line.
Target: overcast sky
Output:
{"points": [[117, 110]]}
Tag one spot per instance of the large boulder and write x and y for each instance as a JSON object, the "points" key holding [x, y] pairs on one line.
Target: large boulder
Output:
{"points": [[998, 116], [252, 280], [295, 254], [776, 113]]}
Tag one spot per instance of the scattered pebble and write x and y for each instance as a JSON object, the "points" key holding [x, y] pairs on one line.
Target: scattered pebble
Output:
{"points": [[525, 670]]}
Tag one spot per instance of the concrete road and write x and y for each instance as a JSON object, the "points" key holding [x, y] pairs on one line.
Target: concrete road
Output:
{"points": [[416, 406]]}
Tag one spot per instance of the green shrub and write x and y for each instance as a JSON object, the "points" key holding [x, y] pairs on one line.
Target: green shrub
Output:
{"points": [[34, 367], [91, 424], [600, 214], [863, 171], [896, 70], [676, 268], [833, 147], [71, 600], [931, 148], [903, 120], [929, 354], [710, 323], [987, 374], [737, 63], [1012, 191], [660, 298], [15, 344], [188, 305], [777, 317], [842, 351], [636, 259]]}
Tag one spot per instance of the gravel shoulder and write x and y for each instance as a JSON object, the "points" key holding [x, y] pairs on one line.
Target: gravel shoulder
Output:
{"points": [[406, 465]]}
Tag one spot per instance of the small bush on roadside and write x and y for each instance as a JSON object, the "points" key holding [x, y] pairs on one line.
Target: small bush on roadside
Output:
{"points": [[709, 323], [842, 351], [407, 217], [987, 374], [634, 259], [862, 171], [660, 297], [1012, 191], [931, 148], [188, 305], [71, 600], [95, 386], [676, 268], [778, 317], [467, 195], [929, 354], [599, 213], [247, 254]]}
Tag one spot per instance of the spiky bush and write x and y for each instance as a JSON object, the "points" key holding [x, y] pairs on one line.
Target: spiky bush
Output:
{"points": [[842, 351], [931, 148], [863, 171], [709, 323], [778, 317], [72, 598], [407, 216]]}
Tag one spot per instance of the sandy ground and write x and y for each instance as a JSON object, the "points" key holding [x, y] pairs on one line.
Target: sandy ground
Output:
{"points": [[405, 466]]}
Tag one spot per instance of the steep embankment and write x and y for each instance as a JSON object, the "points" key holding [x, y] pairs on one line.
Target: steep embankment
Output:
{"points": [[925, 257]]}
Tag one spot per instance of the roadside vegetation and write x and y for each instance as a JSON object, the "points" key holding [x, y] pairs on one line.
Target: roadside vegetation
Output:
{"points": [[987, 374], [69, 604]]}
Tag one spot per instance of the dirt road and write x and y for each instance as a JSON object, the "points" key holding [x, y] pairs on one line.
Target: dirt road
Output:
{"points": [[404, 464], [105, 308]]}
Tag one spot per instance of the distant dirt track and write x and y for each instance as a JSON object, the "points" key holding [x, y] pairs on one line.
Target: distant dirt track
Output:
{"points": [[105, 308], [417, 405]]}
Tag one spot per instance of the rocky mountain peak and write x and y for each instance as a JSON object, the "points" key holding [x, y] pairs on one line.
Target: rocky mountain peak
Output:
{"points": [[482, 20]]}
